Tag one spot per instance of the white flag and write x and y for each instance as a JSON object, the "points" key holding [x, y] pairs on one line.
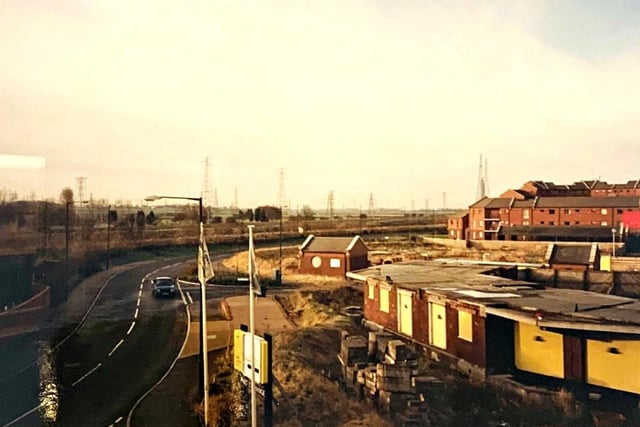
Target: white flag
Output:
{"points": [[253, 267], [205, 268]]}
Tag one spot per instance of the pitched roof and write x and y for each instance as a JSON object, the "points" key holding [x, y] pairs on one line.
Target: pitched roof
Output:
{"points": [[588, 202], [572, 254], [329, 244], [492, 202]]}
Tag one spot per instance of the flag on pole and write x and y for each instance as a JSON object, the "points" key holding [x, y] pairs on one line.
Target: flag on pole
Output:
{"points": [[205, 259], [255, 276]]}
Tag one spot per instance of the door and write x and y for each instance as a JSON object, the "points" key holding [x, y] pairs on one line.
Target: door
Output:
{"points": [[438, 325], [405, 313]]}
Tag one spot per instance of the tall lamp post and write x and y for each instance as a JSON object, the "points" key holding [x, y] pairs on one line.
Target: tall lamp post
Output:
{"points": [[66, 245], [613, 242], [281, 215], [108, 233], [202, 386]]}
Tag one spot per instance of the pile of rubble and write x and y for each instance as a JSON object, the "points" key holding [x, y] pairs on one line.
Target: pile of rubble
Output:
{"points": [[384, 371]]}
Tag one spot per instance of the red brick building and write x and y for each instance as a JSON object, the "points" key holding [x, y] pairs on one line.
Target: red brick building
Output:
{"points": [[332, 256], [586, 210]]}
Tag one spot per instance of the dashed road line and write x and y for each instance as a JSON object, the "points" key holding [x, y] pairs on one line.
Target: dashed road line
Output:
{"points": [[138, 304], [140, 293], [131, 327], [135, 316], [116, 347], [26, 414], [86, 375], [119, 419]]}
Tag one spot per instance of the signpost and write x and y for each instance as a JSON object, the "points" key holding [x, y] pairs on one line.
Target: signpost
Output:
{"points": [[263, 360]]}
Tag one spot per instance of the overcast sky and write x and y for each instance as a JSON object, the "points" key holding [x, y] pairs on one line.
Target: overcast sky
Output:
{"points": [[390, 97]]}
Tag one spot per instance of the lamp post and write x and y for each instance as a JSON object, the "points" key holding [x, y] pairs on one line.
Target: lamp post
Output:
{"points": [[202, 386], [281, 215], [66, 245], [108, 233], [613, 242]]}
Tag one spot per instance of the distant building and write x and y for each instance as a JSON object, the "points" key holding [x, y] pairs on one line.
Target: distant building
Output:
{"points": [[332, 256], [583, 211]]}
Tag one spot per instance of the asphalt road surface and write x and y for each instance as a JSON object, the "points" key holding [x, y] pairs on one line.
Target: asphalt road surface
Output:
{"points": [[126, 344]]}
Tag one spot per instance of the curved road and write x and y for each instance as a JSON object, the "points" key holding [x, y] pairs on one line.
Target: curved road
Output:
{"points": [[126, 344]]}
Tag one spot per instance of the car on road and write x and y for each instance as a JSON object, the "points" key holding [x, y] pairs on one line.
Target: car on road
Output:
{"points": [[163, 286]]}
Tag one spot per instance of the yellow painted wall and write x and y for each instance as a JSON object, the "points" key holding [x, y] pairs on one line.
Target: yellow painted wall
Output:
{"points": [[405, 314], [617, 371], [605, 263], [438, 322], [539, 351]]}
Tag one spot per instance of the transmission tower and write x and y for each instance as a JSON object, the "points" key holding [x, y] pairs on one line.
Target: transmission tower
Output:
{"points": [[81, 183], [282, 195], [206, 184], [483, 180], [330, 201], [372, 205]]}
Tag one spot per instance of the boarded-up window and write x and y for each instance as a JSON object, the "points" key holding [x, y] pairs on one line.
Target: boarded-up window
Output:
{"points": [[384, 300], [465, 326], [371, 291], [334, 263]]}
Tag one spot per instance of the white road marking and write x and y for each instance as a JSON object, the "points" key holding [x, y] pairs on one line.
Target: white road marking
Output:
{"points": [[140, 285], [119, 419], [140, 293], [116, 347], [131, 327], [86, 375], [135, 316], [138, 304], [26, 414]]}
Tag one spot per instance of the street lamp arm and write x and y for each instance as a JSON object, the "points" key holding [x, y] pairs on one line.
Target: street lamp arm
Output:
{"points": [[154, 198]]}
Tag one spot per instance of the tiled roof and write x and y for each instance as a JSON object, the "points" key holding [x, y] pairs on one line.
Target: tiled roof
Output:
{"points": [[492, 202], [328, 244]]}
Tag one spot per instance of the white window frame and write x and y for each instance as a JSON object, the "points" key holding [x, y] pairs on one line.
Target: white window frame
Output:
{"points": [[384, 299], [334, 262]]}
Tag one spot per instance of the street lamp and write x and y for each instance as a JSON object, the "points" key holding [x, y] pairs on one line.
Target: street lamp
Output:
{"points": [[203, 301], [281, 215], [66, 245], [613, 242]]}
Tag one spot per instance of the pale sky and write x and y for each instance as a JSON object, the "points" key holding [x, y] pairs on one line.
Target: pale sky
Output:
{"points": [[398, 98]]}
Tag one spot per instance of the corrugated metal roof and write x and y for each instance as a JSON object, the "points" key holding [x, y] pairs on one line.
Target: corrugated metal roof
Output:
{"points": [[595, 232], [588, 202], [570, 308]]}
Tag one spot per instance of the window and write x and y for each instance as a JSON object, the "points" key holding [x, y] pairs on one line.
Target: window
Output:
{"points": [[525, 214], [474, 234], [541, 210], [619, 211], [384, 300], [526, 222], [334, 263], [603, 211], [453, 232], [372, 291], [567, 223], [577, 222], [481, 234], [474, 223], [542, 222], [604, 223], [566, 211], [552, 223], [577, 210], [552, 211], [316, 262], [465, 326]]}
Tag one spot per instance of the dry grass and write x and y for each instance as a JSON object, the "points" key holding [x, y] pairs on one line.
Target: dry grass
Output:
{"points": [[306, 366]]}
